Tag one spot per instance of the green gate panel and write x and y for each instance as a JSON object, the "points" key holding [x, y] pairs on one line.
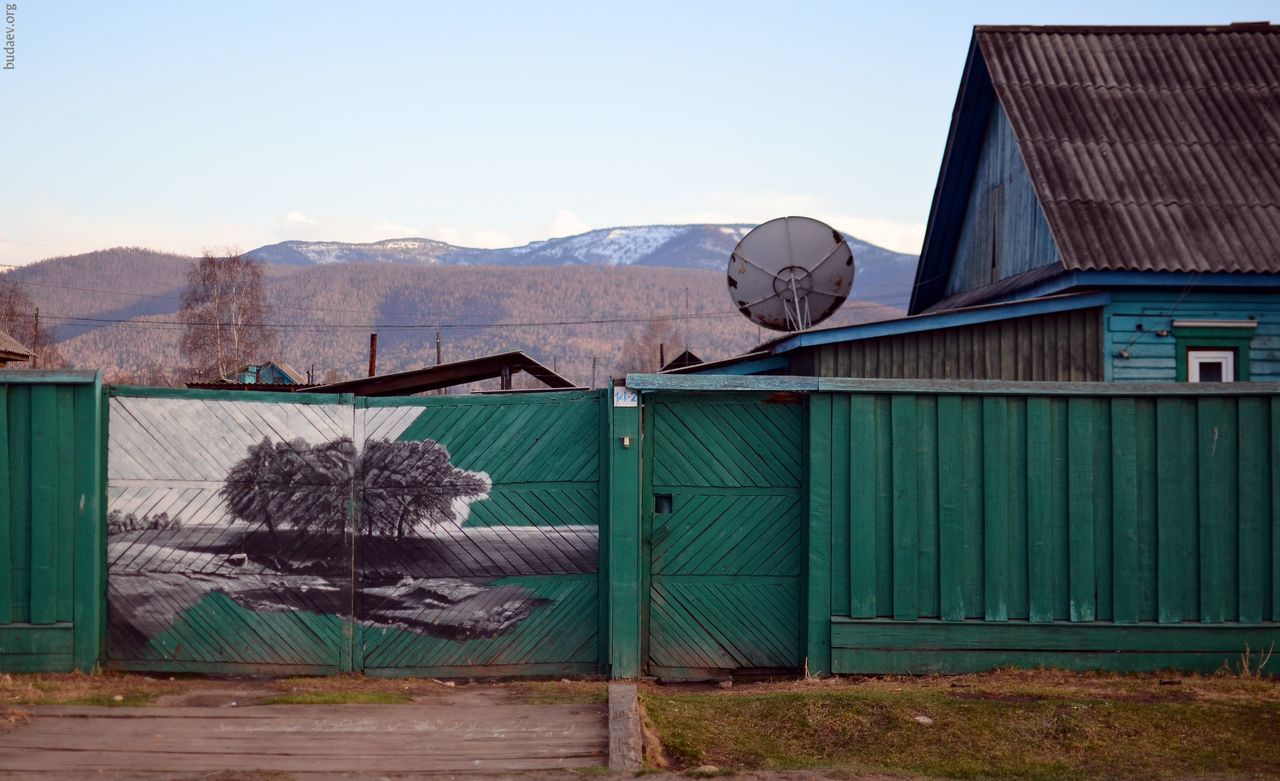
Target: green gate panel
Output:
{"points": [[725, 534], [503, 579]]}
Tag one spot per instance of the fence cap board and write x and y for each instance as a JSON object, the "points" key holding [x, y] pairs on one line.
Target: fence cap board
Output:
{"points": [[669, 382], [49, 376]]}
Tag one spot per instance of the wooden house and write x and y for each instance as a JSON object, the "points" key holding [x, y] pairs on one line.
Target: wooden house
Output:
{"points": [[1108, 209]]}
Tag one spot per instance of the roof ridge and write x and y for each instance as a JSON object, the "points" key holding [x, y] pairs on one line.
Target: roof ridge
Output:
{"points": [[1088, 29]]}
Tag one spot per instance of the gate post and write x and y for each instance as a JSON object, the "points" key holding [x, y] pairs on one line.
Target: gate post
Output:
{"points": [[624, 534]]}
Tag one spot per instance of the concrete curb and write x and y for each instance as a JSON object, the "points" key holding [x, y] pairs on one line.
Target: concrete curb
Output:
{"points": [[626, 750]]}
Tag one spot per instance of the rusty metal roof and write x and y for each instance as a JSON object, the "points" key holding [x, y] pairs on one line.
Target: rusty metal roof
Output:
{"points": [[447, 375], [1151, 149], [13, 350]]}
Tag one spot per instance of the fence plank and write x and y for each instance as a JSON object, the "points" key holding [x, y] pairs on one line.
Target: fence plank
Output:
{"points": [[906, 512], [19, 572], [1124, 498], [927, 561], [884, 507], [972, 502], [1017, 459], [6, 518], [1178, 566], [1148, 504], [996, 485], [1040, 558], [44, 495], [862, 506], [950, 510], [840, 504], [1217, 523], [1254, 460], [1080, 481], [1102, 488], [818, 576], [1275, 511]]}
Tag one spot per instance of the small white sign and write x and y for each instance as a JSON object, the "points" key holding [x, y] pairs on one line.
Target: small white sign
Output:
{"points": [[625, 397]]}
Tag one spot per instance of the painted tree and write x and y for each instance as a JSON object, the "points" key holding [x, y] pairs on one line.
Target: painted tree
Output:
{"points": [[224, 311], [409, 483], [300, 486]]}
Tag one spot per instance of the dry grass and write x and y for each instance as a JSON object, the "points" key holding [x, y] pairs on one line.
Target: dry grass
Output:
{"points": [[1006, 724]]}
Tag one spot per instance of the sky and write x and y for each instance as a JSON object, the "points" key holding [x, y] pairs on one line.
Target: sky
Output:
{"points": [[191, 126]]}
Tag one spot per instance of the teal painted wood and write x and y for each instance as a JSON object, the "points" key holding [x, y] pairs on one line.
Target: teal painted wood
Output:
{"points": [[1124, 496], [1080, 509], [46, 534], [1217, 510], [6, 514], [942, 647], [1141, 325], [1254, 478], [1040, 558], [927, 506], [1116, 525], [862, 506], [951, 511], [726, 562], [1004, 230], [997, 474], [906, 507], [841, 504], [817, 602]]}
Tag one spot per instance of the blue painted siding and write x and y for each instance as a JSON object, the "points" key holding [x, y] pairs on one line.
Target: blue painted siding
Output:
{"points": [[1004, 230], [1154, 357]]}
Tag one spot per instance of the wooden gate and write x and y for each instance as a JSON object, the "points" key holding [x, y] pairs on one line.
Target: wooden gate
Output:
{"points": [[724, 515], [260, 532], [508, 583]]}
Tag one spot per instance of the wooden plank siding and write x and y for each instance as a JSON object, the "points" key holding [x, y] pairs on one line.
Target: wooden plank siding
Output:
{"points": [[1004, 231], [50, 612], [1140, 344], [1051, 512], [1059, 347]]}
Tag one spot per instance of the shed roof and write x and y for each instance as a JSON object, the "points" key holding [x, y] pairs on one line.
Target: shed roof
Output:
{"points": [[446, 375], [13, 350], [1149, 148]]}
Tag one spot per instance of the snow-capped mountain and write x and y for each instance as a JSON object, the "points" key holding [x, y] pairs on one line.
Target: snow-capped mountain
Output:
{"points": [[883, 276]]}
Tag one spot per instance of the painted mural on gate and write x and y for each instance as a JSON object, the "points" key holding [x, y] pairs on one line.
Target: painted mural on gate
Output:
{"points": [[225, 507]]}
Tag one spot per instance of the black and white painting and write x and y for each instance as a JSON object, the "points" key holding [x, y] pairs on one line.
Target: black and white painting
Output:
{"points": [[307, 507]]}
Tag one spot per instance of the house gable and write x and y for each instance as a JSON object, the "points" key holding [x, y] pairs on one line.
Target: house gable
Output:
{"points": [[1004, 232]]}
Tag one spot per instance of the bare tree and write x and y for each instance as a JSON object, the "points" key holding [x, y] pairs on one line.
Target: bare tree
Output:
{"points": [[20, 318], [224, 309], [641, 352]]}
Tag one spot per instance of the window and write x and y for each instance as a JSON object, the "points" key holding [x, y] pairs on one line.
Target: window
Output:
{"points": [[1211, 365], [1213, 350]]}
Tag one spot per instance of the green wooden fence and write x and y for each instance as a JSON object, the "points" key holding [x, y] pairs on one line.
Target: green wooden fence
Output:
{"points": [[51, 535], [945, 526], [1082, 529]]}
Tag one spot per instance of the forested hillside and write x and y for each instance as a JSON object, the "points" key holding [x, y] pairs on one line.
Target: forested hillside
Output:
{"points": [[323, 314]]}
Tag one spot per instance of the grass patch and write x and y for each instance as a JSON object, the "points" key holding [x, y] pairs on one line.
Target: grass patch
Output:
{"points": [[81, 689], [1045, 726], [339, 698]]}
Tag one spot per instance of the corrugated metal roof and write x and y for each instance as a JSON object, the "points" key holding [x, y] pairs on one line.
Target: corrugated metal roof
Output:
{"points": [[1151, 149]]}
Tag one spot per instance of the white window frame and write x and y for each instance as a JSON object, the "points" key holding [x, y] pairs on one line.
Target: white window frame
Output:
{"points": [[1198, 356]]}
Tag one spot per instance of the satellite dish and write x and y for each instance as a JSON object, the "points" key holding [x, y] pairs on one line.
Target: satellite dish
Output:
{"points": [[790, 273]]}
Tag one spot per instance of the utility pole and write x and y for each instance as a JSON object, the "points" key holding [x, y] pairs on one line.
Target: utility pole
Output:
{"points": [[438, 353], [593, 371], [373, 354]]}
